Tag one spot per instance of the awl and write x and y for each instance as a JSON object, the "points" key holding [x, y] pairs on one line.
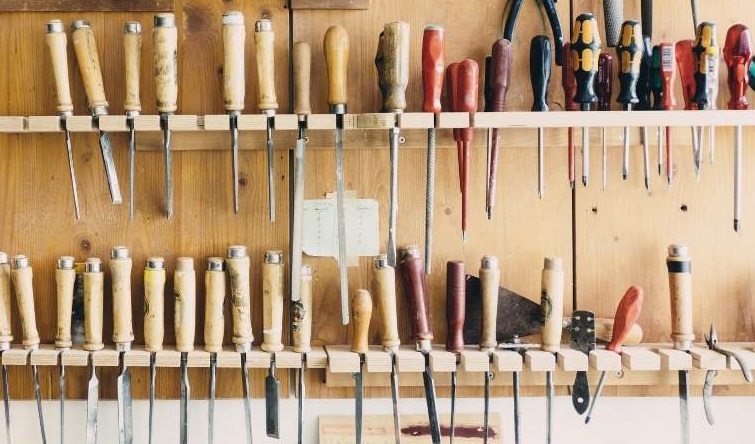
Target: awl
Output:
{"points": [[184, 319], [65, 278], [94, 286], [6, 336], [264, 40], [132, 42], [500, 76], [154, 329], [123, 336], [273, 270], [234, 86], [165, 47], [361, 312], [214, 327]]}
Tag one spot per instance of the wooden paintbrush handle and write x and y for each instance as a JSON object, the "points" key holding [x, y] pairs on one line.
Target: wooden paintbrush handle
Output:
{"points": [[302, 313], [154, 304], [214, 320], [185, 308], [165, 47], [85, 47], [361, 311], [234, 74], [264, 40], [273, 270], [384, 288], [490, 280], [238, 264], [120, 273], [552, 303], [94, 293], [132, 50], [57, 44]]}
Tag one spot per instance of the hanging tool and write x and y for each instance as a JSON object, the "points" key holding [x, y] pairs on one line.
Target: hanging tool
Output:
{"points": [[737, 53], [627, 313], [123, 336], [65, 277], [214, 327], [582, 332], [264, 40], [712, 341], [643, 96], [85, 47], [466, 101], [452, 86], [238, 264], [656, 85], [361, 311], [273, 270], [234, 86], [687, 66], [604, 86], [57, 43], [552, 308], [336, 47], [540, 77], [613, 13], [455, 313], [629, 51], [679, 266], [185, 308], [165, 44], [302, 61], [433, 56], [500, 76], [94, 284], [706, 78], [694, 13], [154, 320], [668, 102], [490, 279], [384, 288], [132, 48], [585, 49], [550, 10], [569, 83], [301, 314], [417, 301], [6, 337], [487, 89]]}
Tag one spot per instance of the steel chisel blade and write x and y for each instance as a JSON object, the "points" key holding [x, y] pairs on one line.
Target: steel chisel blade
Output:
{"points": [[272, 401]]}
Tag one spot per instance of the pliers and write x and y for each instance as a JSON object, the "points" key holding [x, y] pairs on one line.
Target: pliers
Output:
{"points": [[712, 341], [550, 11]]}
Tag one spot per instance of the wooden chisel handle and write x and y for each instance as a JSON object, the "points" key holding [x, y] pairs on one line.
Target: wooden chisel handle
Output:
{"points": [[361, 312], [395, 76], [234, 45], [384, 288], [6, 335], [85, 47], [185, 308], [132, 50], [433, 55], [490, 280], [237, 265], [456, 287], [57, 44], [273, 270], [604, 332], [627, 313], [302, 55], [552, 303], [21, 278], [165, 48], [302, 313], [154, 304], [214, 319], [413, 278], [264, 40], [679, 266], [94, 294], [120, 273], [336, 47]]}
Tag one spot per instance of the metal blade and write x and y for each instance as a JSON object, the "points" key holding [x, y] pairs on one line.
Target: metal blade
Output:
{"points": [[38, 396], [72, 173], [598, 391], [152, 372], [296, 232], [429, 199], [93, 396], [272, 402], [123, 387], [211, 397], [517, 425], [341, 222], [549, 407], [131, 165], [485, 432], [540, 162], [270, 169], [625, 155], [358, 404], [168, 166], [683, 406], [393, 205], [6, 403], [184, 403], [646, 156], [454, 381], [394, 398], [707, 395], [62, 400], [301, 390], [235, 160], [432, 411], [247, 400], [110, 173]]}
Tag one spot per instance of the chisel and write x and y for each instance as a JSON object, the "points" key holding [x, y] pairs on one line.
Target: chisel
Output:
{"points": [[569, 84], [154, 319], [540, 76], [490, 279], [94, 286], [237, 265], [214, 327], [687, 67], [65, 278], [433, 56], [184, 319], [552, 309], [604, 87], [165, 47], [57, 43], [336, 47], [132, 48], [273, 270], [629, 51], [301, 314], [123, 336], [234, 87], [6, 337], [417, 300], [302, 61], [668, 102], [500, 76], [361, 312], [264, 40], [21, 278], [85, 47], [384, 288], [455, 312], [679, 267], [706, 78], [466, 101]]}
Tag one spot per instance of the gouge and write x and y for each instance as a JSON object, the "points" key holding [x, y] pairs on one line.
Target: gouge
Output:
{"points": [[569, 84], [85, 48], [6, 337], [132, 48], [154, 320], [630, 51], [123, 336], [706, 52], [455, 314], [65, 278], [273, 270], [552, 306], [234, 86], [301, 314], [57, 43], [466, 101], [361, 311], [264, 40], [687, 67], [165, 47], [336, 47], [540, 76], [302, 61], [679, 266], [490, 279], [94, 284], [184, 319], [604, 88], [21, 278], [214, 327], [500, 75], [668, 102]]}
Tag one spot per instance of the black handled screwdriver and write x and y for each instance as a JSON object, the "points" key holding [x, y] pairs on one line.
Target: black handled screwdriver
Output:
{"points": [[540, 74], [629, 51]]}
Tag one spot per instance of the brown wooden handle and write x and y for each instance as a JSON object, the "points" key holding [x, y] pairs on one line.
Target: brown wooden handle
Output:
{"points": [[57, 44], [154, 304], [552, 303], [384, 288], [94, 294], [336, 47], [500, 73], [120, 273], [6, 335], [21, 277], [395, 75], [132, 50], [234, 74], [238, 264], [361, 312], [604, 332], [273, 270], [490, 280], [302, 313], [165, 48], [85, 47], [679, 266], [264, 40], [413, 277], [214, 319], [455, 305], [302, 56], [627, 313], [185, 308], [467, 93]]}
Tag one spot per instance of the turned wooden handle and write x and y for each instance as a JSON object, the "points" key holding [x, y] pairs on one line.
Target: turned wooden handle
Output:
{"points": [[214, 320], [264, 40], [132, 50], [552, 303], [395, 72], [21, 278], [65, 278], [604, 332], [336, 46], [302, 313], [433, 54], [490, 280], [57, 43], [94, 294], [384, 288], [456, 290], [361, 312], [413, 278], [234, 75], [6, 335], [185, 308], [165, 48], [154, 304], [120, 273], [85, 47], [627, 313], [238, 264], [302, 66], [679, 266], [273, 270]]}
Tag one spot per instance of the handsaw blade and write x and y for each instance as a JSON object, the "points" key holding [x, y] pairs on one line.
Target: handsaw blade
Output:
{"points": [[272, 405]]}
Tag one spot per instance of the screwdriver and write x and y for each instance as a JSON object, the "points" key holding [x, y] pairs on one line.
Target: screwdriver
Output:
{"points": [[165, 43], [132, 42], [452, 80], [264, 40], [540, 75], [706, 79], [569, 83], [643, 96], [500, 74], [585, 49], [629, 52], [668, 75], [687, 66], [605, 92], [656, 85], [234, 87], [466, 101]]}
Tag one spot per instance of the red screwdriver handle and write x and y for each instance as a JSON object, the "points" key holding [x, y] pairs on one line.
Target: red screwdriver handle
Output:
{"points": [[455, 305], [568, 81], [415, 292], [452, 75], [668, 75], [433, 53], [685, 61], [627, 313], [467, 93], [737, 53], [500, 73]]}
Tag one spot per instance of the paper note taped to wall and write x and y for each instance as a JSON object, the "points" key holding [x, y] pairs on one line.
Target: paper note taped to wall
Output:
{"points": [[320, 231]]}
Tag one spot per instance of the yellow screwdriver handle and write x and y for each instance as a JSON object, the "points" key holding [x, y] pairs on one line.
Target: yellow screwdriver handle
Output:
{"points": [[234, 78], [132, 50], [58, 43], [336, 46], [165, 47]]}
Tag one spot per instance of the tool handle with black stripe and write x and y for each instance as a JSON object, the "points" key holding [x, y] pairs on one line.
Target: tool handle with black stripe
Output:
{"points": [[630, 50], [585, 51], [706, 57], [679, 266]]}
